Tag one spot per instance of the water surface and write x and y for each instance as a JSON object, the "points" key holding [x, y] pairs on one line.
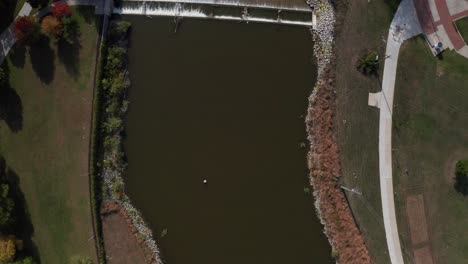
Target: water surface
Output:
{"points": [[224, 102]]}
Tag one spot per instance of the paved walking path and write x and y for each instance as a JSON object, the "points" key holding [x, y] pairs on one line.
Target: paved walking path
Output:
{"points": [[437, 20], [404, 26]]}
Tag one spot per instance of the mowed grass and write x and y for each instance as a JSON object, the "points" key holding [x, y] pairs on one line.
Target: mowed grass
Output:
{"points": [[430, 134], [462, 27], [45, 140], [365, 27]]}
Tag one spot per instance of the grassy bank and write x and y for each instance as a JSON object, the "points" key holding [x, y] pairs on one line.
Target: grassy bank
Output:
{"points": [[430, 135], [95, 151], [45, 139], [363, 27]]}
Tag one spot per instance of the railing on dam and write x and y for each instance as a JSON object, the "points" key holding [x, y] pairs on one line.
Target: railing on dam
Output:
{"points": [[289, 5], [275, 12]]}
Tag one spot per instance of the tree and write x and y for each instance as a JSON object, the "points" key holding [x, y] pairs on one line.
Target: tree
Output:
{"points": [[119, 29], [60, 10], [6, 206], [7, 249], [52, 27], [26, 260], [3, 78], [368, 64], [80, 260], [71, 29], [26, 30], [461, 177]]}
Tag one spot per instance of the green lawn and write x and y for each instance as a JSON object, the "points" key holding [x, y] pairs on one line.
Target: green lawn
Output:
{"points": [[44, 138], [364, 29], [430, 134], [462, 27]]}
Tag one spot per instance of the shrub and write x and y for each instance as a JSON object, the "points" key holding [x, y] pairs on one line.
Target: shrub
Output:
{"points": [[6, 206], [117, 85], [119, 29], [71, 29], [26, 30], [52, 27], [80, 260], [117, 189], [3, 78], [115, 59], [113, 124], [461, 177], [7, 249], [60, 10], [368, 64], [26, 260]]}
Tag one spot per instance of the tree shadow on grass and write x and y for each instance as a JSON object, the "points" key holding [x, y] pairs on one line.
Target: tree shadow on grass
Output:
{"points": [[22, 227], [11, 107], [42, 60], [7, 13], [69, 54], [38, 3], [88, 13], [18, 55]]}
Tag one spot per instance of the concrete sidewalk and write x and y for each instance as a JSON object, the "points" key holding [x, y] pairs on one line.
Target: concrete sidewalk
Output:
{"points": [[404, 26]]}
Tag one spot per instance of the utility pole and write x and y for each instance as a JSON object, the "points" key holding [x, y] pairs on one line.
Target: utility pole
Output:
{"points": [[353, 190]]}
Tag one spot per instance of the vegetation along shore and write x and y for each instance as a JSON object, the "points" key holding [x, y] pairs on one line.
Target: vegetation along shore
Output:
{"points": [[114, 87], [323, 159]]}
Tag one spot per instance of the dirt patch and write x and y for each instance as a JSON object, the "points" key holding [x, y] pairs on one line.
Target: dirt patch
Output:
{"points": [[423, 255], [416, 218], [324, 163], [121, 244]]}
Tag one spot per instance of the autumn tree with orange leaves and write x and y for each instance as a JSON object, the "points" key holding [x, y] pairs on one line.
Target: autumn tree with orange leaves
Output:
{"points": [[7, 249], [52, 27]]}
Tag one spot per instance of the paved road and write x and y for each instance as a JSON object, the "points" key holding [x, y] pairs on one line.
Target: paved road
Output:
{"points": [[404, 26]]}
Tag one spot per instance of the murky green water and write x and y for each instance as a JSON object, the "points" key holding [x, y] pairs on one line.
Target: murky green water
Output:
{"points": [[223, 102]]}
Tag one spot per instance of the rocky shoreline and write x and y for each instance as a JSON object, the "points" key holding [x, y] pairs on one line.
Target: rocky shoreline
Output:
{"points": [[348, 245], [115, 84]]}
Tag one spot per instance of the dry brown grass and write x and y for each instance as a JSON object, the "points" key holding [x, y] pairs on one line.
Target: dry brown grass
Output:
{"points": [[423, 255], [416, 218], [121, 244]]}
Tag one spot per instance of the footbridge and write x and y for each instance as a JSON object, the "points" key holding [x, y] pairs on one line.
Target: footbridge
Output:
{"points": [[287, 12]]}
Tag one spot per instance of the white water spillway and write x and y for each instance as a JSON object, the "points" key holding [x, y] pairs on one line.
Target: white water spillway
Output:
{"points": [[274, 12]]}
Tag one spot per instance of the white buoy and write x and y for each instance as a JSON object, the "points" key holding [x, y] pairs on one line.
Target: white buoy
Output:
{"points": [[205, 181]]}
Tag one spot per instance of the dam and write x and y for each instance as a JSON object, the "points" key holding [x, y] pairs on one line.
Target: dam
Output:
{"points": [[295, 12]]}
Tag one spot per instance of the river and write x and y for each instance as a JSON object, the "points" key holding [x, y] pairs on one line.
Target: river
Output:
{"points": [[222, 102]]}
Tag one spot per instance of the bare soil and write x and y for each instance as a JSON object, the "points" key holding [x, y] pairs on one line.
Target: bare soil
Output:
{"points": [[416, 218], [324, 163], [120, 241], [423, 255]]}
